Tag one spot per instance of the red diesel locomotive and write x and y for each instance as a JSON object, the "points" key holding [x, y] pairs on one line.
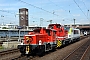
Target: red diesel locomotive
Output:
{"points": [[42, 40], [38, 41]]}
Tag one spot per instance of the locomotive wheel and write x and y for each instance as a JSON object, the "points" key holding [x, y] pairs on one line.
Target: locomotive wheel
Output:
{"points": [[22, 54], [70, 41], [64, 43], [41, 51], [54, 48]]}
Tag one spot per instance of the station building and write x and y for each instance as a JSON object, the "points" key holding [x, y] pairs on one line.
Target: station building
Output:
{"points": [[83, 27]]}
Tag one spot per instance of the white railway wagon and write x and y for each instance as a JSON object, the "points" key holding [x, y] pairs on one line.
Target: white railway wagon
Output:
{"points": [[74, 34]]}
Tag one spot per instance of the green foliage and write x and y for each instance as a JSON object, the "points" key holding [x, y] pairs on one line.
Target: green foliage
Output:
{"points": [[4, 28], [1, 47]]}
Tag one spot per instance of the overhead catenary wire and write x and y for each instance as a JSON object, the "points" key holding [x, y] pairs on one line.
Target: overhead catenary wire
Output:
{"points": [[86, 8], [69, 11], [40, 9], [37, 7], [7, 11], [56, 4], [80, 9], [12, 13], [85, 5], [53, 3]]}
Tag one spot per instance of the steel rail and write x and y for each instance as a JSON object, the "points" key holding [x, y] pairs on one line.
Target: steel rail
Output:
{"points": [[74, 51], [85, 53]]}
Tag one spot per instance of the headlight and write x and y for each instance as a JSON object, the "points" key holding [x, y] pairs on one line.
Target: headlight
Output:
{"points": [[40, 42]]}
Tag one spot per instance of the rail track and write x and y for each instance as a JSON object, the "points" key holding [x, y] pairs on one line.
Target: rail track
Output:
{"points": [[6, 55], [14, 54], [24, 58], [86, 55], [80, 52], [31, 57]]}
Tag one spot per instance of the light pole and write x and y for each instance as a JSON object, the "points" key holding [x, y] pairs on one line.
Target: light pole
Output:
{"points": [[19, 27], [41, 21], [74, 22], [24, 28], [19, 35], [9, 35]]}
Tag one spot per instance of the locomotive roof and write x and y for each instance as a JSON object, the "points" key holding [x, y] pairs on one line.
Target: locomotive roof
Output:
{"points": [[38, 29], [54, 24], [51, 29]]}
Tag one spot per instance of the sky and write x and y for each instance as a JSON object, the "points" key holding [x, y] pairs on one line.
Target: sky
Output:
{"points": [[59, 11]]}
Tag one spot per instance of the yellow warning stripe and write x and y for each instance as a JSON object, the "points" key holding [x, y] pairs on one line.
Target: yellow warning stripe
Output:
{"points": [[59, 43]]}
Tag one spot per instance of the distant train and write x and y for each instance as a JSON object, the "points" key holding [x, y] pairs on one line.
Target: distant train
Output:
{"points": [[85, 32], [42, 40]]}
